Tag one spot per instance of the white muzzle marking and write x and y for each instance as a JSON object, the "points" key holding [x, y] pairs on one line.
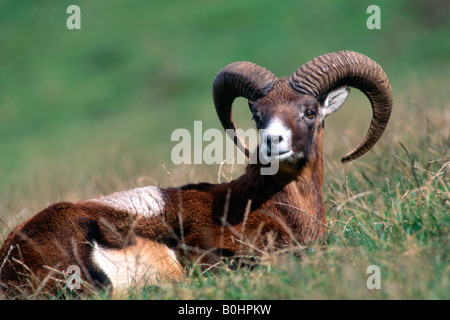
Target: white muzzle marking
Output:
{"points": [[276, 141]]}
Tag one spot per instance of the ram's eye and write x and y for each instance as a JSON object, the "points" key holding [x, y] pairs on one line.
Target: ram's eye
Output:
{"points": [[310, 114]]}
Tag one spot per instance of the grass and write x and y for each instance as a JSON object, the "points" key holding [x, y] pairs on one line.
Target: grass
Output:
{"points": [[81, 116]]}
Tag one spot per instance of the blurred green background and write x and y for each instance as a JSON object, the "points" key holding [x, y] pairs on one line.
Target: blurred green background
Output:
{"points": [[115, 90]]}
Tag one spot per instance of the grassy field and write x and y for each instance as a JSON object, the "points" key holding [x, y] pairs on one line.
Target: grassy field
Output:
{"points": [[88, 112]]}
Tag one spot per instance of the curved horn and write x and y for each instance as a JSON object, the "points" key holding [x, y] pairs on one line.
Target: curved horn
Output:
{"points": [[239, 79], [336, 69]]}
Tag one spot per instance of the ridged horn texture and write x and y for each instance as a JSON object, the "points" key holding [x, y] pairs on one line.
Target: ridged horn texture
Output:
{"points": [[239, 79], [333, 70]]}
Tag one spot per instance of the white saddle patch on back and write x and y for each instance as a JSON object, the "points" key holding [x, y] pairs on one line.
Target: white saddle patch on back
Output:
{"points": [[146, 201]]}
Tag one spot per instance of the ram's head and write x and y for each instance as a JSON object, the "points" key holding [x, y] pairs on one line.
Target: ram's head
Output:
{"points": [[290, 112]]}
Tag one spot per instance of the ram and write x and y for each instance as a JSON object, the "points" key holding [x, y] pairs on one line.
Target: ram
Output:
{"points": [[148, 235]]}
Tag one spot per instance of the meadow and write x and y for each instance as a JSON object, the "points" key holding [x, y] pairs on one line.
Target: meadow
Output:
{"points": [[91, 111]]}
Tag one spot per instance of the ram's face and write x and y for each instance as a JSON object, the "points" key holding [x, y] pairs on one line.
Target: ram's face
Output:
{"points": [[288, 123]]}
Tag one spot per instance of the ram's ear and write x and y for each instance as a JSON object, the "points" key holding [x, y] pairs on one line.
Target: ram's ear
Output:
{"points": [[333, 101]]}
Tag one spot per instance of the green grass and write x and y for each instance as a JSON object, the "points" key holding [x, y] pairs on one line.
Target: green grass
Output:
{"points": [[89, 112]]}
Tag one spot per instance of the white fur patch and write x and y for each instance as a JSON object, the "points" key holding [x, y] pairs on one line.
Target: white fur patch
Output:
{"points": [[144, 263], [280, 136], [146, 201]]}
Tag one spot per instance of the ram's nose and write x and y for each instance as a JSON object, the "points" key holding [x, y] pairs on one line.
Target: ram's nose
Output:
{"points": [[276, 139], [273, 143]]}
